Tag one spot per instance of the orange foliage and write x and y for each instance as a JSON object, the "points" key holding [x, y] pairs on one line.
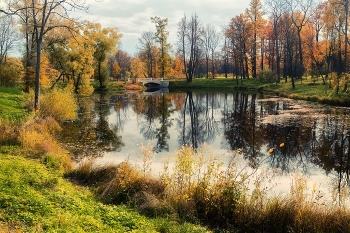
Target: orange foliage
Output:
{"points": [[178, 68]]}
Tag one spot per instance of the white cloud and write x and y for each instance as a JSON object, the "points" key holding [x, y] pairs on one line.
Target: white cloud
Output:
{"points": [[132, 17]]}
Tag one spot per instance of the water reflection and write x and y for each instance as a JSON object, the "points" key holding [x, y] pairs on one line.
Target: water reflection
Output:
{"points": [[198, 119], [91, 134], [291, 136]]}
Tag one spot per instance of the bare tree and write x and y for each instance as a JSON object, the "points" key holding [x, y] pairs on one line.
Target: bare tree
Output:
{"points": [[207, 38], [146, 44], [212, 39], [8, 36], [213, 44], [190, 35]]}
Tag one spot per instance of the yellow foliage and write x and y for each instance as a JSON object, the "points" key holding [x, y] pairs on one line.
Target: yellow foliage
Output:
{"points": [[36, 137], [59, 104], [11, 72], [137, 68], [47, 73], [115, 69]]}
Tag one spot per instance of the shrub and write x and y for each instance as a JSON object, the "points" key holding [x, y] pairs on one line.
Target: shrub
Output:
{"points": [[116, 183], [59, 104], [200, 188], [11, 72], [9, 132], [267, 75], [36, 137]]}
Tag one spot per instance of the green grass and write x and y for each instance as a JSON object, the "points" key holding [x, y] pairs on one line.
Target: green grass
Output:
{"points": [[305, 90], [34, 198], [11, 106]]}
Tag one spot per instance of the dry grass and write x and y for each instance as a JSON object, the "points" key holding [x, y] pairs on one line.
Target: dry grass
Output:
{"points": [[9, 132], [200, 188], [36, 137]]}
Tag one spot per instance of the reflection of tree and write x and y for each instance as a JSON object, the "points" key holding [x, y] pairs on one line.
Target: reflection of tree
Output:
{"points": [[90, 134], [334, 150], [197, 121], [106, 137], [162, 133], [291, 136], [120, 105], [148, 108], [240, 127], [153, 107], [290, 143]]}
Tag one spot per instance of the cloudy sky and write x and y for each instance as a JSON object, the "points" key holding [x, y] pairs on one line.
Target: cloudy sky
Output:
{"points": [[132, 17]]}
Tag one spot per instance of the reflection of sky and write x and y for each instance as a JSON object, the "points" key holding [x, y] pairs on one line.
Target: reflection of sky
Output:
{"points": [[281, 183]]}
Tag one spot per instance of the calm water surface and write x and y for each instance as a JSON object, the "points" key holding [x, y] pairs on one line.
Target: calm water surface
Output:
{"points": [[279, 136]]}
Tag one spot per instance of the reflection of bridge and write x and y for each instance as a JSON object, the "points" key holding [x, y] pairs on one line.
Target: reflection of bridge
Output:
{"points": [[153, 82]]}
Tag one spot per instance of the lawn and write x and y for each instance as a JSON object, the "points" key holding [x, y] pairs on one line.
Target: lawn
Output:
{"points": [[11, 103]]}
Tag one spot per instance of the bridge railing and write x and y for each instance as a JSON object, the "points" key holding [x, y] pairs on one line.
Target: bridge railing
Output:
{"points": [[149, 79]]}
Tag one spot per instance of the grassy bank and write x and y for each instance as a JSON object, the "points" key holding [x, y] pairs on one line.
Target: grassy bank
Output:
{"points": [[118, 87], [35, 196], [305, 89], [199, 188], [11, 104]]}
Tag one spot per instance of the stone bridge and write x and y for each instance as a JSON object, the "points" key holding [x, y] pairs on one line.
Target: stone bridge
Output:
{"points": [[153, 82]]}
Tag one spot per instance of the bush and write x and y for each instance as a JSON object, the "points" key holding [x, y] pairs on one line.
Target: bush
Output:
{"points": [[123, 183], [267, 75], [9, 132], [11, 72], [59, 104], [36, 137]]}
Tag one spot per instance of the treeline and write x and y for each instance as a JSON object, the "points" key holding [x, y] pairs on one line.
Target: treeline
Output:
{"points": [[280, 39]]}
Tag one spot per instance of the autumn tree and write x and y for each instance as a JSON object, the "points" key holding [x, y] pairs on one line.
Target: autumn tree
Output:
{"points": [[105, 41], [178, 67], [315, 47], [123, 59], [73, 58], [276, 8], [255, 15], [115, 68], [161, 36], [300, 15], [44, 16], [137, 69], [238, 33], [11, 72]]}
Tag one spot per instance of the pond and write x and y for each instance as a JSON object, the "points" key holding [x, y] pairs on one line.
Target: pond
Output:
{"points": [[279, 136]]}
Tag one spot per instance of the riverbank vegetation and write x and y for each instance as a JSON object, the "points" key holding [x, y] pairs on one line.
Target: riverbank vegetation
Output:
{"points": [[199, 188]]}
